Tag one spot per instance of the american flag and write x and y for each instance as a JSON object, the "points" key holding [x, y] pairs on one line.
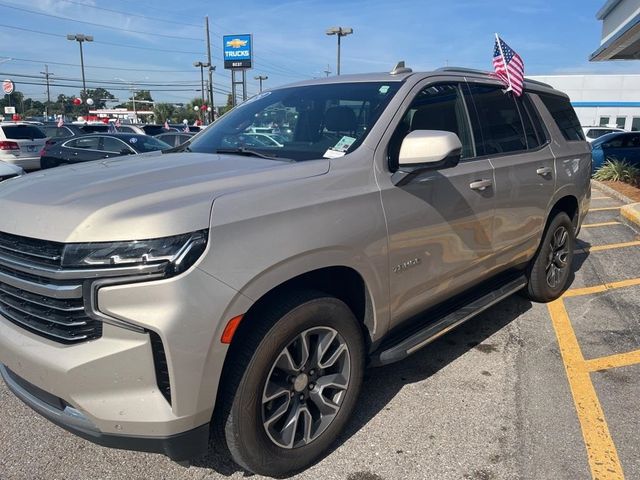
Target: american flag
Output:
{"points": [[118, 123], [186, 127], [509, 66], [112, 128], [60, 122], [166, 125]]}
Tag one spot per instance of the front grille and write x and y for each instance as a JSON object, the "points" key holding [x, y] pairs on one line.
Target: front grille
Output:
{"points": [[161, 366], [32, 296], [39, 252]]}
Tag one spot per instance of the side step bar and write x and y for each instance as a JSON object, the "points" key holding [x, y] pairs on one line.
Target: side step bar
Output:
{"points": [[436, 329]]}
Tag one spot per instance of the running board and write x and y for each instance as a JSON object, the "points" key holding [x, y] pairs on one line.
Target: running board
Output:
{"points": [[408, 345]]}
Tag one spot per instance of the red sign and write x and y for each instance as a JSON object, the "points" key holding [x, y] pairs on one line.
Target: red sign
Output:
{"points": [[8, 86]]}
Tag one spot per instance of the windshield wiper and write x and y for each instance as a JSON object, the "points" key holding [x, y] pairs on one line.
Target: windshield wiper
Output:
{"points": [[251, 153]]}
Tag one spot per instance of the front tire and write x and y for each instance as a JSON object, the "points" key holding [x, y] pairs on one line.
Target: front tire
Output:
{"points": [[292, 383], [550, 270]]}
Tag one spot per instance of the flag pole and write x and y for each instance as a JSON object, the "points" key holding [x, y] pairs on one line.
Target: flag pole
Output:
{"points": [[506, 67]]}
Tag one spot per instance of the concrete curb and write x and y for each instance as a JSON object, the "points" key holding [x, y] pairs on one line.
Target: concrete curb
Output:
{"points": [[610, 191], [631, 215]]}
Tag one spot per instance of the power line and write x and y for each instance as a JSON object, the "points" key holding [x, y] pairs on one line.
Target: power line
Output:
{"points": [[157, 19], [110, 27], [102, 67], [58, 35]]}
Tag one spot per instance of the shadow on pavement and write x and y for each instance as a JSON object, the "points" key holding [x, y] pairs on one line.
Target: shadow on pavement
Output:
{"points": [[382, 384]]}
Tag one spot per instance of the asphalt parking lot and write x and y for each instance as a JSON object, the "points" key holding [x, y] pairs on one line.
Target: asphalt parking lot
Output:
{"points": [[524, 390]]}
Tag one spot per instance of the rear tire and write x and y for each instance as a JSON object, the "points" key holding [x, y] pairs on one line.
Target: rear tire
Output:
{"points": [[550, 270], [270, 382]]}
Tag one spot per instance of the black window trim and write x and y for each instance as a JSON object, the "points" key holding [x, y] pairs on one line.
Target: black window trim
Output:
{"points": [[517, 152]]}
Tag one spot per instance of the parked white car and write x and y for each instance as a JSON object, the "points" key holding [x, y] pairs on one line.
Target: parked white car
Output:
{"points": [[591, 133], [20, 144], [8, 170]]}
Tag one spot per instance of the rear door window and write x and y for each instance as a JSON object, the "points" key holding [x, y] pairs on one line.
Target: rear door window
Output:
{"points": [[22, 132], [500, 125], [564, 115], [84, 143], [115, 145]]}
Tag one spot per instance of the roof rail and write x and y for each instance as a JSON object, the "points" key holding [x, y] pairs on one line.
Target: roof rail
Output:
{"points": [[484, 72], [462, 70], [400, 68]]}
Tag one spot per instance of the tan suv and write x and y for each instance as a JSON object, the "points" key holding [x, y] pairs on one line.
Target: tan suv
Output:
{"points": [[239, 289]]}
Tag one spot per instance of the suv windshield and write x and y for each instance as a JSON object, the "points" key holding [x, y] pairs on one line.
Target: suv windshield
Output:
{"points": [[300, 123]]}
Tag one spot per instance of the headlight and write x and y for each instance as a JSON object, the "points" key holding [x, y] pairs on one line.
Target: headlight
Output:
{"points": [[178, 252]]}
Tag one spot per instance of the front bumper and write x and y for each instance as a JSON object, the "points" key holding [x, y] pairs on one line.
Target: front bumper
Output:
{"points": [[180, 447], [111, 381]]}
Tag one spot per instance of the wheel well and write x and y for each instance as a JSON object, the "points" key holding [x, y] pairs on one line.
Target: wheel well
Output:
{"points": [[569, 205], [344, 283]]}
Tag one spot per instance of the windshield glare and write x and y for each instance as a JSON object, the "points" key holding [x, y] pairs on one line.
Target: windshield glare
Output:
{"points": [[300, 123]]}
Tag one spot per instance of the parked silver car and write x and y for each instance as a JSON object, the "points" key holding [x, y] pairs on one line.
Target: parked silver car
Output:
{"points": [[8, 170], [239, 290]]}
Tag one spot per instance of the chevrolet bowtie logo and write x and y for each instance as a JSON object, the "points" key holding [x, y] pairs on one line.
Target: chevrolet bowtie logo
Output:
{"points": [[236, 43]]}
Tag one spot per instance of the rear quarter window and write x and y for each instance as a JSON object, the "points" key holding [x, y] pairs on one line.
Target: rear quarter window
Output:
{"points": [[564, 115], [22, 132]]}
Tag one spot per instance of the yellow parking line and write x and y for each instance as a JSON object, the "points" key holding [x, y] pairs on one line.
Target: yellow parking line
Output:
{"points": [[601, 209], [603, 224], [610, 246], [601, 451], [576, 292], [613, 361]]}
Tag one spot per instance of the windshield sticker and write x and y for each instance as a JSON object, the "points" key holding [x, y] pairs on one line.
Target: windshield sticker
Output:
{"points": [[344, 144], [333, 154], [384, 89], [133, 140]]}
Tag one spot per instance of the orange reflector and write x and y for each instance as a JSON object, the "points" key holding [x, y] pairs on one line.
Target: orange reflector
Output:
{"points": [[230, 329]]}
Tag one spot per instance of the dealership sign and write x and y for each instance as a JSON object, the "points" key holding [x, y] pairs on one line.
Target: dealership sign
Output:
{"points": [[237, 51], [8, 87]]}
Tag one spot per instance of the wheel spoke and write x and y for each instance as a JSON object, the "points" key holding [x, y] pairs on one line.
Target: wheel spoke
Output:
{"points": [[324, 343], [274, 390], [286, 363], [334, 357], [278, 413], [335, 380], [288, 432]]}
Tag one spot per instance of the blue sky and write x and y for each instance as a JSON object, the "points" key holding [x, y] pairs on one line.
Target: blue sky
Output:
{"points": [[553, 37]]}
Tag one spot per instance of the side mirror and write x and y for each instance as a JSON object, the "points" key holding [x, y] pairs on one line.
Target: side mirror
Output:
{"points": [[426, 150], [125, 151]]}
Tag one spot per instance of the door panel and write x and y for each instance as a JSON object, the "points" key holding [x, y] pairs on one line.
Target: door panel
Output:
{"points": [[440, 228], [439, 236]]}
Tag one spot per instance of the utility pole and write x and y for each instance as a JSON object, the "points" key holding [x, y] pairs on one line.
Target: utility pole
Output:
{"points": [[202, 66], [327, 71], [211, 69], [46, 76], [261, 78]]}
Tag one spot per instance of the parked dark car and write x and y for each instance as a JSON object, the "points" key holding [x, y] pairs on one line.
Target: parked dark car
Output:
{"points": [[620, 146], [175, 139], [97, 146], [180, 127], [151, 129], [53, 131]]}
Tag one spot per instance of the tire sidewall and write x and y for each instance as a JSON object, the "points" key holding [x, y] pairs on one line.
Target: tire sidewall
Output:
{"points": [[246, 416], [539, 288]]}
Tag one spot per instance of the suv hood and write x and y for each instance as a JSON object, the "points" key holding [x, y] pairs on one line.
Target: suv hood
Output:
{"points": [[134, 198]]}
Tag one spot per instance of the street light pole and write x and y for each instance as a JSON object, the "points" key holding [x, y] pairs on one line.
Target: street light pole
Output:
{"points": [[340, 32], [81, 38], [261, 78]]}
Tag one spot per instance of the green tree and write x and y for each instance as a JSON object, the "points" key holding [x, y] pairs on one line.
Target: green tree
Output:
{"points": [[99, 97], [163, 112]]}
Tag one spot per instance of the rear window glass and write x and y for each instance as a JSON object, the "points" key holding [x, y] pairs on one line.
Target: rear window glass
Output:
{"points": [[95, 128], [564, 115], [22, 132]]}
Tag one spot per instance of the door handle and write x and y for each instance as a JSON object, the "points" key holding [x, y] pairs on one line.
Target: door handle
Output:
{"points": [[480, 184], [544, 171]]}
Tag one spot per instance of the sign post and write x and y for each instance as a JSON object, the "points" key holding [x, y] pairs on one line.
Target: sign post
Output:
{"points": [[238, 57]]}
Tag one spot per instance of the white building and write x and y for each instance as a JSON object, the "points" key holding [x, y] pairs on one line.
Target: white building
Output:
{"points": [[612, 100]]}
